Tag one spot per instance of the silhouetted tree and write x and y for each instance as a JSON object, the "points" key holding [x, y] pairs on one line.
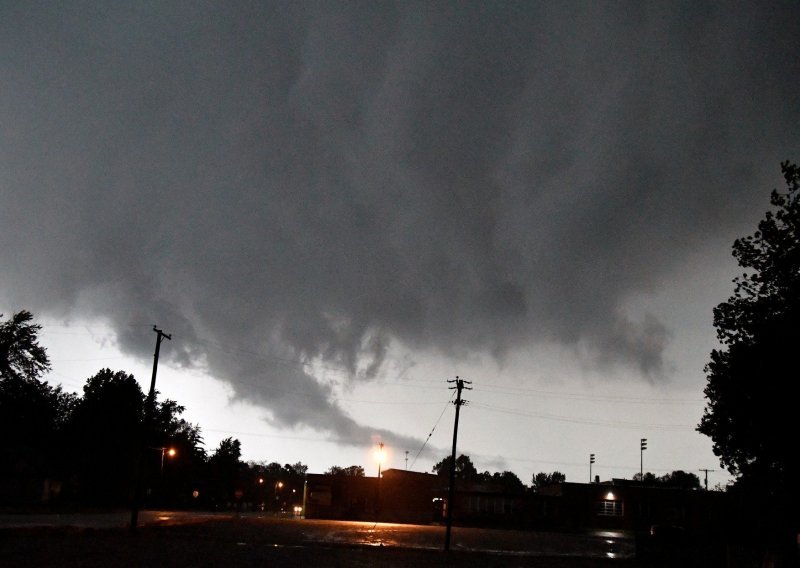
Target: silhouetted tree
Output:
{"points": [[647, 478], [677, 479], [225, 472], [541, 479], [465, 469], [175, 478], [351, 471], [21, 355], [274, 486], [105, 432], [680, 479], [751, 411], [508, 481], [32, 414], [297, 469]]}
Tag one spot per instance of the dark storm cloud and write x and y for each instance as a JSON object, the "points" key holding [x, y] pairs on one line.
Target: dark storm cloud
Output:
{"points": [[311, 181]]}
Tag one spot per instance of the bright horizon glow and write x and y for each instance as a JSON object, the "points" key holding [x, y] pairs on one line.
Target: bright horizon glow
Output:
{"points": [[414, 403]]}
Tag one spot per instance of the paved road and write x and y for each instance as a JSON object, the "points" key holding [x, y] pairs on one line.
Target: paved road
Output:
{"points": [[106, 520], [302, 532]]}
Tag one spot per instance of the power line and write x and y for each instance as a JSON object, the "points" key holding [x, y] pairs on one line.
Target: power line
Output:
{"points": [[532, 392], [608, 423], [425, 443]]}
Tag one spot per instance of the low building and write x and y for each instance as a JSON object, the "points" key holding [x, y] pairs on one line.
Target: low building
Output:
{"points": [[411, 497], [630, 505], [340, 497]]}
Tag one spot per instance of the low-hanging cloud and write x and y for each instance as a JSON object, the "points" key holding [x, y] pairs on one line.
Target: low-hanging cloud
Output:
{"points": [[314, 182]]}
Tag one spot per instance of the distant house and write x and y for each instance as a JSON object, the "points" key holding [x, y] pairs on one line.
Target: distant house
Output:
{"points": [[411, 497], [631, 505], [486, 504], [340, 497], [399, 496]]}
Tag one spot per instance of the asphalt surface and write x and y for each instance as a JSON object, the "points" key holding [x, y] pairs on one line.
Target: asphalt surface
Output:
{"points": [[168, 538]]}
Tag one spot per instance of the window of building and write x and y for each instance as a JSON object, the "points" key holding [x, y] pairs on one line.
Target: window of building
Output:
{"points": [[609, 508]]}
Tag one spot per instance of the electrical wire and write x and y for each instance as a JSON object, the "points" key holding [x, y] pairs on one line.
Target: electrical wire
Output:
{"points": [[609, 423], [432, 429]]}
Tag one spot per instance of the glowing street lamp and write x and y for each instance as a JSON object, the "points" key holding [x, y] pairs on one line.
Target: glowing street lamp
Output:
{"points": [[278, 487], [171, 452], [380, 457]]}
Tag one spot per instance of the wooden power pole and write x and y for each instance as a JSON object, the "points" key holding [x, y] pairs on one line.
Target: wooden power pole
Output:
{"points": [[148, 415], [460, 385], [706, 472]]}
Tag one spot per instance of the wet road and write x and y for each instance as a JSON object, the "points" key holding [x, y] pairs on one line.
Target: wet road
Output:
{"points": [[302, 532]]}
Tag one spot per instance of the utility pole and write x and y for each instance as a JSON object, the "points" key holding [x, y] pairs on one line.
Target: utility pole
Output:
{"points": [[642, 448], [406, 460], [460, 385], [591, 461], [148, 414], [706, 472]]}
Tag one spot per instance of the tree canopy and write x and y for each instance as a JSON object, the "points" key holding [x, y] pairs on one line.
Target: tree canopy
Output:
{"points": [[83, 448], [20, 352], [751, 409], [541, 479], [465, 469], [351, 471], [677, 479], [750, 414], [32, 413]]}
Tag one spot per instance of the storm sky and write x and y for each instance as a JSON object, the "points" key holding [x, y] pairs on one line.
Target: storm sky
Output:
{"points": [[314, 197]]}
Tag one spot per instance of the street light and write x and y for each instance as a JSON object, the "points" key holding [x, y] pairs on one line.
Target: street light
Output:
{"points": [[380, 457], [171, 452], [278, 486], [642, 448], [168, 451]]}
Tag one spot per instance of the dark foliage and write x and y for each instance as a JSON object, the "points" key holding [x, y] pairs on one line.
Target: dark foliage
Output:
{"points": [[751, 411], [21, 356], [465, 469], [351, 471], [105, 435], [32, 413], [507, 481], [541, 479], [677, 479]]}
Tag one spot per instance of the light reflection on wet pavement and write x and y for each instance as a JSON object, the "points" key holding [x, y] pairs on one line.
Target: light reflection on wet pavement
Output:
{"points": [[597, 544], [298, 532]]}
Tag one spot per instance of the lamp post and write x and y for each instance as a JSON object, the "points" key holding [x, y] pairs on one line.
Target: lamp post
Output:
{"points": [[380, 456], [278, 486], [168, 451], [642, 448]]}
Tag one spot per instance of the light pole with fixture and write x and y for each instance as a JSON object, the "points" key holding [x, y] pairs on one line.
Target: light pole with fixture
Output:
{"points": [[642, 448], [380, 456], [168, 451]]}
